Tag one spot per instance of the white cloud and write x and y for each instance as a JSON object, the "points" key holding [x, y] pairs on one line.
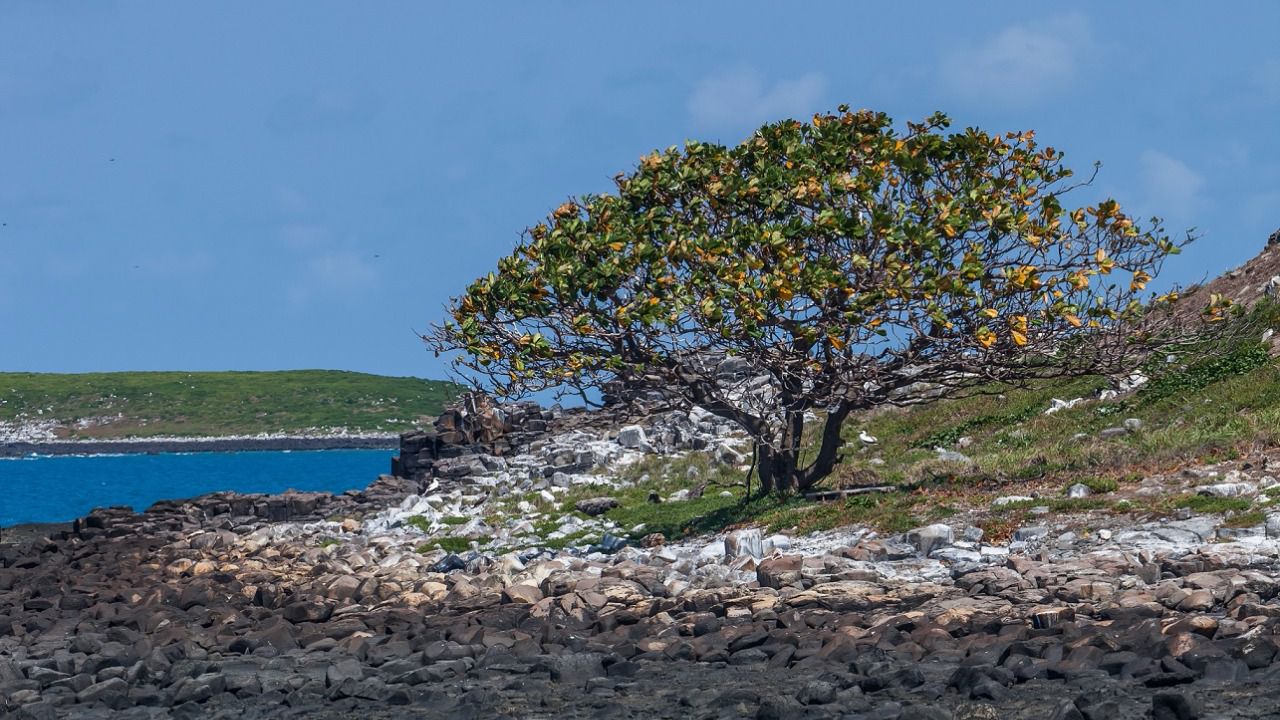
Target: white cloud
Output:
{"points": [[1170, 187], [1021, 64], [742, 99], [339, 273], [302, 236]]}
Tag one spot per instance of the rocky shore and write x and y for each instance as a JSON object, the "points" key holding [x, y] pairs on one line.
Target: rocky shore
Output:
{"points": [[313, 605]]}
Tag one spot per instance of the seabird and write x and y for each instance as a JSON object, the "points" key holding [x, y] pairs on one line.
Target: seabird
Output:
{"points": [[867, 439]]}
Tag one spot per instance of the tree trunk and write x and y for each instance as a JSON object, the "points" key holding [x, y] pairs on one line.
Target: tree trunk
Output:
{"points": [[828, 453], [777, 468]]}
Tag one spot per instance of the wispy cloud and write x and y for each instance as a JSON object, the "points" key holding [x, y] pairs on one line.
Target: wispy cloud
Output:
{"points": [[304, 236], [1170, 187], [742, 99], [341, 273], [1020, 65]]}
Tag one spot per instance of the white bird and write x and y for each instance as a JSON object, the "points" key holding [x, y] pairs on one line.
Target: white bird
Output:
{"points": [[867, 439]]}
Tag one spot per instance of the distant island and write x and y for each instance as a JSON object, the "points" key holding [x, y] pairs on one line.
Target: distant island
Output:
{"points": [[219, 410]]}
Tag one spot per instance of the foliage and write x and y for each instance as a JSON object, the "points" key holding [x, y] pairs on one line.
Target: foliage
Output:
{"points": [[1213, 504], [850, 263], [451, 544], [1099, 485], [139, 404]]}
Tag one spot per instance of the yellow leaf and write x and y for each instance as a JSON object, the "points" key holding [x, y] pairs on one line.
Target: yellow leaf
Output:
{"points": [[1074, 320], [836, 342], [985, 337], [616, 246], [1018, 338], [990, 312]]}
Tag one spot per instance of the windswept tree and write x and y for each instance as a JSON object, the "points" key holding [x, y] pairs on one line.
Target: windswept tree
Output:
{"points": [[843, 263]]}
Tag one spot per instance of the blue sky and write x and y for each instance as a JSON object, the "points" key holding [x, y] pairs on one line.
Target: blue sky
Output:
{"points": [[303, 184]]}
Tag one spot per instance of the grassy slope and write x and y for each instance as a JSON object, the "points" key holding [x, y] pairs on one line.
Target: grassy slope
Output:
{"points": [[220, 403], [1218, 409]]}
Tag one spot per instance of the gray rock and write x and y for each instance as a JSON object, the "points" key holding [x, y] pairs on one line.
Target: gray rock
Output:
{"points": [[631, 436], [597, 505], [927, 538], [1133, 425], [1113, 432], [346, 669], [744, 543], [1079, 490], [1230, 489], [1008, 499], [1030, 532], [1273, 525], [113, 693]]}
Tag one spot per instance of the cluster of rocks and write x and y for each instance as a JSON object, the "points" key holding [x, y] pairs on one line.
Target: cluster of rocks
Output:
{"points": [[204, 609], [478, 436]]}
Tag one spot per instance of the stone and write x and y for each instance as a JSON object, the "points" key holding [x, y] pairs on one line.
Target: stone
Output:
{"points": [[780, 572], [345, 670], [596, 506], [744, 543], [1079, 490], [313, 611], [1030, 532], [817, 692], [522, 594], [632, 437], [1133, 425], [1173, 706], [1113, 432], [113, 693], [930, 537], [1009, 499], [1236, 489]]}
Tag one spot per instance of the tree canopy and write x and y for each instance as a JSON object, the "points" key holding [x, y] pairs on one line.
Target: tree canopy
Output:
{"points": [[844, 262]]}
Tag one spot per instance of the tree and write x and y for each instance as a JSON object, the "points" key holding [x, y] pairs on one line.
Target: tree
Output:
{"points": [[844, 263]]}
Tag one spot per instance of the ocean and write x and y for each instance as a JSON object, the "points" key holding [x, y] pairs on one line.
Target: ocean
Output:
{"points": [[60, 489]]}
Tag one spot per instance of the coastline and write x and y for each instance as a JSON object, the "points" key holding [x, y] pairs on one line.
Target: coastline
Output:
{"points": [[25, 448]]}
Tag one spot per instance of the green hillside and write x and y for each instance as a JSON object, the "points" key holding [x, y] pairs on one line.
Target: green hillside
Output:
{"points": [[140, 404]]}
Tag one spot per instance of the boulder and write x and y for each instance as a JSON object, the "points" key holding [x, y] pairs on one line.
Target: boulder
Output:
{"points": [[632, 436], [596, 506], [930, 537]]}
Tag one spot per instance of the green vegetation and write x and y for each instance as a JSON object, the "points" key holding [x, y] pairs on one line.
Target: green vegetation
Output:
{"points": [[327, 542], [143, 404], [1100, 485], [1252, 518], [451, 544], [419, 522], [1212, 504], [1221, 411]]}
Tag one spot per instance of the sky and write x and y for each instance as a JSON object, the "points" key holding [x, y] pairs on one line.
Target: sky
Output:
{"points": [[257, 186]]}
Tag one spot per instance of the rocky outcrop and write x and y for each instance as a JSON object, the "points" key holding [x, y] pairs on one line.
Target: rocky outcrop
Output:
{"points": [[203, 608]]}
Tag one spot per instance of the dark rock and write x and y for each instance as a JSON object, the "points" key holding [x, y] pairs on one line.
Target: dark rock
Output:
{"points": [[597, 505], [1173, 706], [313, 611], [449, 563], [113, 693], [817, 692]]}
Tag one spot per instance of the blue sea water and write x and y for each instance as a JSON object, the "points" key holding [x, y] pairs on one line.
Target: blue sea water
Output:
{"points": [[60, 489]]}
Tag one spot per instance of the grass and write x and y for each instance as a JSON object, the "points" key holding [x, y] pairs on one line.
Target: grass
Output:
{"points": [[1212, 504], [1218, 409], [143, 404], [418, 522], [451, 544]]}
